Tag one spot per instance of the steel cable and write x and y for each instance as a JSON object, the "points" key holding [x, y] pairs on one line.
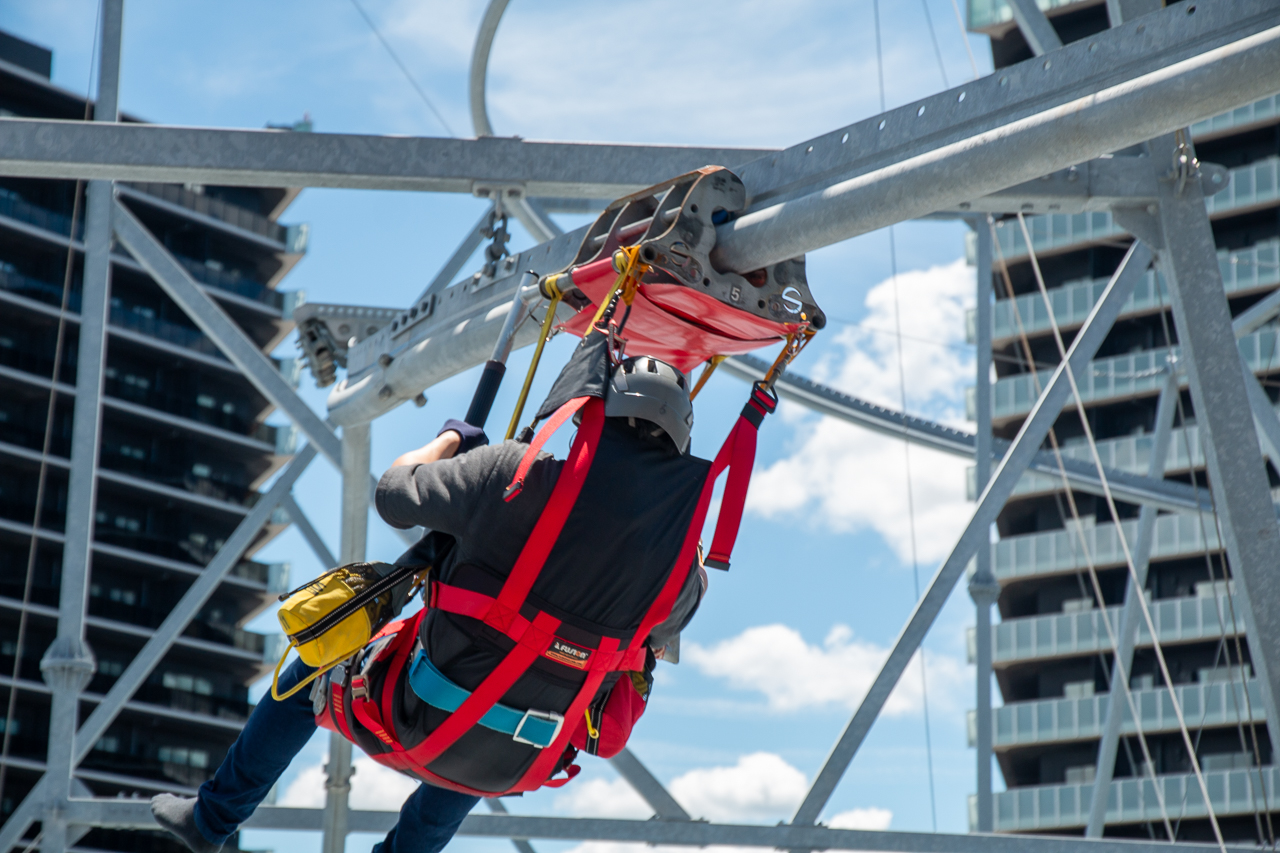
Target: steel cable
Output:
{"points": [[1269, 834], [43, 472], [1112, 676], [906, 442], [1124, 546]]}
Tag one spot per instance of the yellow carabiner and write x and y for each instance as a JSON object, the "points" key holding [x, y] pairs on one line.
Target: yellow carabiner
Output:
{"points": [[591, 730]]}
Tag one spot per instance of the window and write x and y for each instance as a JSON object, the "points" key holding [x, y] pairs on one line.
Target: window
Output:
{"points": [[206, 401], [108, 743], [201, 470], [188, 683], [197, 758]]}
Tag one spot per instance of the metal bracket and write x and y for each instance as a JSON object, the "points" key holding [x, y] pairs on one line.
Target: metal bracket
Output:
{"points": [[326, 332]]}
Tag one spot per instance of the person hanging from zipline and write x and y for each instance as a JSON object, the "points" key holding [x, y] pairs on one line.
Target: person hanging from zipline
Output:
{"points": [[550, 587], [565, 582]]}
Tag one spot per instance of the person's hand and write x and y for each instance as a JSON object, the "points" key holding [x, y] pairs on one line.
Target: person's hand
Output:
{"points": [[470, 436]]}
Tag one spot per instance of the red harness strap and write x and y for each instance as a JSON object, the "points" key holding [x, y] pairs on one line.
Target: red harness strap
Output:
{"points": [[554, 423], [476, 605], [537, 637], [739, 454]]}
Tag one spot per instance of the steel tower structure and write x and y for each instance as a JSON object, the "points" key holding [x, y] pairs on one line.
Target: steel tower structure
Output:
{"points": [[1035, 136]]}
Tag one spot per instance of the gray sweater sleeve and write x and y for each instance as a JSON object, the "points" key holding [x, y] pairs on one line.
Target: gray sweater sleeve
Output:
{"points": [[441, 495]]}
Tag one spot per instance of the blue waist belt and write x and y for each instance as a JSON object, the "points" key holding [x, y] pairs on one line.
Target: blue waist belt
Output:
{"points": [[535, 728]]}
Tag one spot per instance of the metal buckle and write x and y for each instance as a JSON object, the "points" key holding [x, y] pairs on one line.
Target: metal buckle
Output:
{"points": [[549, 716]]}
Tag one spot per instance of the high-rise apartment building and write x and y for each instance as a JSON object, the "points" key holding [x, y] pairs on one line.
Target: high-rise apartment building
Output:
{"points": [[184, 447], [1052, 654]]}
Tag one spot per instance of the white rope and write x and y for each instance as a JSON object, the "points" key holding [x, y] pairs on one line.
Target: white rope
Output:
{"points": [[1124, 545], [1121, 676], [906, 446]]}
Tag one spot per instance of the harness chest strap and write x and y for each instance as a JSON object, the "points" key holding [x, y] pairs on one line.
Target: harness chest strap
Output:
{"points": [[466, 602], [737, 454], [536, 638]]}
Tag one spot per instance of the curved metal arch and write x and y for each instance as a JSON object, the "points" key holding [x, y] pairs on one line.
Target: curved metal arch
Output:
{"points": [[539, 225], [480, 66]]}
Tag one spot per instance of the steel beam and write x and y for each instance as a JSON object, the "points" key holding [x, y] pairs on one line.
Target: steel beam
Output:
{"points": [[151, 653], [495, 805], [355, 531], [977, 534], [1017, 92], [133, 814], [1132, 488], [940, 153], [222, 330], [1130, 617], [647, 785], [1089, 126], [309, 533], [1035, 27], [984, 589], [1218, 392], [68, 664], [42, 148]]}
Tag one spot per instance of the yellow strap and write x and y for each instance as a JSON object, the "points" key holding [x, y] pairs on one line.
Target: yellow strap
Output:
{"points": [[275, 680], [537, 356], [712, 364], [627, 281], [591, 730]]}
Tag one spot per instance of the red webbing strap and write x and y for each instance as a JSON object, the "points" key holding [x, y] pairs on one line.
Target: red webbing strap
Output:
{"points": [[337, 713], [541, 768], [467, 602], [537, 638], [534, 642], [565, 494], [739, 454], [548, 429]]}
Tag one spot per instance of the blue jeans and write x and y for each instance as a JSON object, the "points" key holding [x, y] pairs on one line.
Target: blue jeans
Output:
{"points": [[275, 733]]}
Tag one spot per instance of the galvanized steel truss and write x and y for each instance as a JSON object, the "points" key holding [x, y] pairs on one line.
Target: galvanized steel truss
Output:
{"points": [[1036, 136]]}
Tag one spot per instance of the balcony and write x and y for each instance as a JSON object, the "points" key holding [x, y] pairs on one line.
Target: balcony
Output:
{"points": [[1130, 453], [13, 206], [1057, 807], [1120, 377], [1242, 270], [1249, 186], [1056, 635], [984, 14], [234, 281], [216, 208], [1046, 721], [1055, 552]]}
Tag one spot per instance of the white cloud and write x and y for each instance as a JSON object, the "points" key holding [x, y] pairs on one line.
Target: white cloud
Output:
{"points": [[826, 479], [373, 787], [761, 72], [792, 674], [602, 798], [760, 786], [868, 818]]}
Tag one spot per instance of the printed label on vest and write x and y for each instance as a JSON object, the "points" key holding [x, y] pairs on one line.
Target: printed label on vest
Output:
{"points": [[562, 652]]}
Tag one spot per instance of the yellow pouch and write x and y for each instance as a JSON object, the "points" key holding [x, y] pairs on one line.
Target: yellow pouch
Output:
{"points": [[332, 617]]}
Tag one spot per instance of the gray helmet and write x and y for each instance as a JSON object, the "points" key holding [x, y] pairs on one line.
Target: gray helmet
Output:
{"points": [[643, 387]]}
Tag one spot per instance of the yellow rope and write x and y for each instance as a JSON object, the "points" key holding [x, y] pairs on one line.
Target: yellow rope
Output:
{"points": [[712, 364], [550, 285]]}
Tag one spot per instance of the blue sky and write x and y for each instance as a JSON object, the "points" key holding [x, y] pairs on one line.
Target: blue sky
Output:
{"points": [[787, 642]]}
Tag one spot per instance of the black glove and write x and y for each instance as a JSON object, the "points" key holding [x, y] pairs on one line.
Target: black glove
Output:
{"points": [[472, 436]]}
